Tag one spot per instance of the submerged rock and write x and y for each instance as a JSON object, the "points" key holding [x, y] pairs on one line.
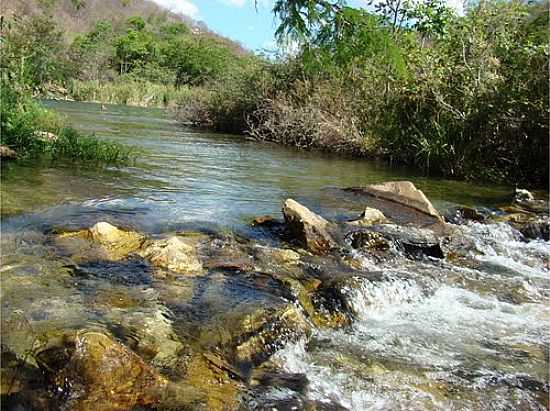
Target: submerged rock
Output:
{"points": [[369, 217], [94, 372], [102, 241], [175, 253], [309, 228], [214, 377], [405, 193]]}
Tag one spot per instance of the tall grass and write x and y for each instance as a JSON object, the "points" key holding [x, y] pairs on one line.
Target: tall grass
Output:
{"points": [[24, 123], [128, 92]]}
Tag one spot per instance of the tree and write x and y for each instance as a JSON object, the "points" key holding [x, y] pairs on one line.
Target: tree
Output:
{"points": [[34, 52]]}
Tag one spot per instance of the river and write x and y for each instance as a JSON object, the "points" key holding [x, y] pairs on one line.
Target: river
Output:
{"points": [[427, 335]]}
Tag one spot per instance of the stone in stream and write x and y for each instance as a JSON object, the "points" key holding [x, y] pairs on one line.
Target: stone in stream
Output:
{"points": [[101, 241], [310, 229], [369, 217], [176, 253], [521, 195], [228, 253], [460, 215], [415, 242], [404, 192], [95, 372], [382, 240]]}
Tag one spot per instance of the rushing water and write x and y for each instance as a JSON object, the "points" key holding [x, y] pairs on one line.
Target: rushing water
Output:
{"points": [[430, 335]]}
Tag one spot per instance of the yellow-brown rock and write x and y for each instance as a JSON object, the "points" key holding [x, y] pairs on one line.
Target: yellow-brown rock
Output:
{"points": [[175, 253], [105, 375], [309, 228], [405, 193]]}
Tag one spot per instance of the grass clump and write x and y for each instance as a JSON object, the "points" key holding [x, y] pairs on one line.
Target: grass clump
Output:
{"points": [[31, 130]]}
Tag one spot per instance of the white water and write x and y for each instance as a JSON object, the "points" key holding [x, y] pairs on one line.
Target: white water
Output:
{"points": [[435, 343]]}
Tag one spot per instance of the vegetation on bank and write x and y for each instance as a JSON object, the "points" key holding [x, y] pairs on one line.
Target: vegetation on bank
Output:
{"points": [[31, 130], [460, 96], [463, 96]]}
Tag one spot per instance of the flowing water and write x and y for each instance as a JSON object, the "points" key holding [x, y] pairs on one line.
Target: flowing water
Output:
{"points": [[431, 334]]}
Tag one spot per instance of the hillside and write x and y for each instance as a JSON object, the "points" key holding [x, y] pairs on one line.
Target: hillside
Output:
{"points": [[80, 16]]}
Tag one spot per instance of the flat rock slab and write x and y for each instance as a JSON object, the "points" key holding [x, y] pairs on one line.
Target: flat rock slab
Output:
{"points": [[397, 212], [405, 193]]}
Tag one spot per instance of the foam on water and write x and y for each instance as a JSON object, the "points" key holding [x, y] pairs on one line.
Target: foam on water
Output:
{"points": [[434, 344]]}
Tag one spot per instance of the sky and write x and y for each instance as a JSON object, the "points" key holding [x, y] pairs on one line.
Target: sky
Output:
{"points": [[240, 20], [237, 19]]}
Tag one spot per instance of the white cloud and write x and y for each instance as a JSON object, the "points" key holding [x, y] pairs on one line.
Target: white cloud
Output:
{"points": [[180, 6]]}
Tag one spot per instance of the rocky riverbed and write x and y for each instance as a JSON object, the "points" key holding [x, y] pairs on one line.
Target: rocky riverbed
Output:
{"points": [[399, 308]]}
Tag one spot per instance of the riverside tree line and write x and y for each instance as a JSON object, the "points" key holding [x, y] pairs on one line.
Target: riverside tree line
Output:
{"points": [[463, 96]]}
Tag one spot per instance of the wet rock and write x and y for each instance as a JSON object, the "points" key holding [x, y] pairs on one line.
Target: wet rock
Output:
{"points": [[102, 241], [178, 254], [529, 224], [212, 376], [368, 240], [307, 227], [415, 242], [266, 331], [231, 264], [227, 253], [7, 153], [527, 201], [115, 238], [94, 372], [405, 193], [149, 332], [521, 195], [369, 217], [536, 230], [459, 215], [265, 220], [279, 262]]}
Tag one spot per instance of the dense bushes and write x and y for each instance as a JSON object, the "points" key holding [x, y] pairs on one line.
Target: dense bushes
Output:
{"points": [[460, 96]]}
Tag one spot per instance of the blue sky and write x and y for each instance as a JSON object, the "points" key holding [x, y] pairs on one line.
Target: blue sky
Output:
{"points": [[238, 19]]}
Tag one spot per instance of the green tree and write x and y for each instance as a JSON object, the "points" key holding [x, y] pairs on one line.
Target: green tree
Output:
{"points": [[94, 51], [34, 52]]}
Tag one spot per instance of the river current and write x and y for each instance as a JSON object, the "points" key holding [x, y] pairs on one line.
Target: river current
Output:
{"points": [[428, 334]]}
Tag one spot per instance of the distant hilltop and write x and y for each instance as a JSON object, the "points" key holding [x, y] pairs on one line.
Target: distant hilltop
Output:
{"points": [[79, 16]]}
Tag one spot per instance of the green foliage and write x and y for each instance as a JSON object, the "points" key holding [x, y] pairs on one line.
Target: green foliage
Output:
{"points": [[463, 96], [33, 53], [24, 121]]}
